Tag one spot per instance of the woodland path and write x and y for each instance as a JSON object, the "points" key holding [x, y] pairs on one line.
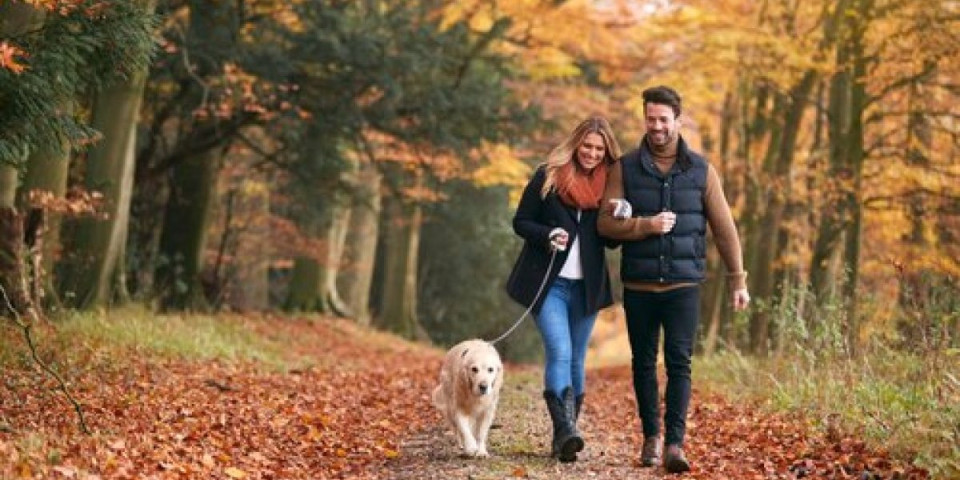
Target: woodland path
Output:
{"points": [[352, 403]]}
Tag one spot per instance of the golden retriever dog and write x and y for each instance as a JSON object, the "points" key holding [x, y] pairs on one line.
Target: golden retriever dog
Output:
{"points": [[467, 395]]}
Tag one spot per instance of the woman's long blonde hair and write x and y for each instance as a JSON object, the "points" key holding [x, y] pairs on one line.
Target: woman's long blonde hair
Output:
{"points": [[567, 150]]}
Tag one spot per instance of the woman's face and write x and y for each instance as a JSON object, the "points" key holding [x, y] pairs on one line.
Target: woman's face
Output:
{"points": [[591, 151]]}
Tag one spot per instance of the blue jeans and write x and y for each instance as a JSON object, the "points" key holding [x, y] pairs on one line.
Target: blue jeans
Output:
{"points": [[565, 327]]}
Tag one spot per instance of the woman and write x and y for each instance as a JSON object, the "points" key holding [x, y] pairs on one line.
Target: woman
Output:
{"points": [[557, 218]]}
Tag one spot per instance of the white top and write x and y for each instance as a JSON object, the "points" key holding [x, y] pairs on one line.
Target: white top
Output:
{"points": [[572, 268]]}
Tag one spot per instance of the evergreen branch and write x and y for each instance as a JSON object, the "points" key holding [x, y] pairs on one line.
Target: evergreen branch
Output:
{"points": [[28, 336]]}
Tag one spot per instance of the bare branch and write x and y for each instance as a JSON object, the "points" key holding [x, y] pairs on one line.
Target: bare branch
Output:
{"points": [[26, 327]]}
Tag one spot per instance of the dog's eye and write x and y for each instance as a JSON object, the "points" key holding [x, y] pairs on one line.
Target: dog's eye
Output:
{"points": [[475, 369], [490, 369]]}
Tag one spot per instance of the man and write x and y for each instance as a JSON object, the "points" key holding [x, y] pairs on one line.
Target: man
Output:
{"points": [[658, 201]]}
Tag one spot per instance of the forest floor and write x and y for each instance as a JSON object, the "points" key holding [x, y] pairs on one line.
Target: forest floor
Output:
{"points": [[349, 402]]}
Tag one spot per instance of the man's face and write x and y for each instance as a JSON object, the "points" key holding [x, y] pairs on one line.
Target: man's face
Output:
{"points": [[662, 126]]}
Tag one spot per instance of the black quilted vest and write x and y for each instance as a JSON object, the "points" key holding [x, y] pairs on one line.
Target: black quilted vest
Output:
{"points": [[678, 256]]}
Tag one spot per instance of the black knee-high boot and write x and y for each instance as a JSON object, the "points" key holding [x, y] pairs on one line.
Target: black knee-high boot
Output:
{"points": [[573, 405], [566, 439], [577, 404]]}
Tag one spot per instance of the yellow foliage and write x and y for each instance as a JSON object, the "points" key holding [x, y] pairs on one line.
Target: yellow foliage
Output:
{"points": [[504, 167]]}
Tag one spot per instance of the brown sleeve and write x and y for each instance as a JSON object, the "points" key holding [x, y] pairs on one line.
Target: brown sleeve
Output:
{"points": [[724, 230], [635, 228]]}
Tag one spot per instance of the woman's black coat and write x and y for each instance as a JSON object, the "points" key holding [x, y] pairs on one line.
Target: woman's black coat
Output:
{"points": [[536, 217]]}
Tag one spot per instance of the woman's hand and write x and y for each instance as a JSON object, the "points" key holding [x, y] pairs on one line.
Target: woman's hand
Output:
{"points": [[558, 239]]}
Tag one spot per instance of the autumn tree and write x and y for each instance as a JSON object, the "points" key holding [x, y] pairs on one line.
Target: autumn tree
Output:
{"points": [[417, 93], [98, 242], [200, 100], [64, 50]]}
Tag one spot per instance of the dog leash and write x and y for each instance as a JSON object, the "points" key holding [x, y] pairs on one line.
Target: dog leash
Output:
{"points": [[534, 302]]}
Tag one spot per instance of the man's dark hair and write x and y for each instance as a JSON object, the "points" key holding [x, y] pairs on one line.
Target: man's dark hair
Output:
{"points": [[663, 95]]}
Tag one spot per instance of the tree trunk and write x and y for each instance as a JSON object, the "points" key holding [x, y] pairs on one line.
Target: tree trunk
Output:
{"points": [[767, 238], [15, 19], [313, 286], [712, 304], [833, 216], [46, 173], [757, 243], [143, 235], [8, 186], [856, 152], [184, 236], [212, 35], [98, 242], [11, 244], [918, 143], [716, 291], [361, 243], [12, 277], [121, 286], [398, 302], [303, 295], [336, 236], [244, 280]]}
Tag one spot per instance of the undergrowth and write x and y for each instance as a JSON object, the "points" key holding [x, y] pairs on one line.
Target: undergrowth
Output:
{"points": [[898, 396]]}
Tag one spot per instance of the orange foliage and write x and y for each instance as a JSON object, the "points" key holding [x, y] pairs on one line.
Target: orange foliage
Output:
{"points": [[413, 158], [8, 57], [77, 202], [68, 7]]}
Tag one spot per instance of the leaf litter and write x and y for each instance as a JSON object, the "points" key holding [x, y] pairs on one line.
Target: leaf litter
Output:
{"points": [[356, 406]]}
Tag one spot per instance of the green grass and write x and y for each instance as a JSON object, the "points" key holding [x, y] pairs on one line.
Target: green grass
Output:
{"points": [[192, 337], [902, 402]]}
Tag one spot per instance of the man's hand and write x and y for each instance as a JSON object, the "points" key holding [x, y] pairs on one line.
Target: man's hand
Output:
{"points": [[741, 298], [663, 222]]}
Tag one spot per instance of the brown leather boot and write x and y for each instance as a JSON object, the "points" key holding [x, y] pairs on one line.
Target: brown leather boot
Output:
{"points": [[650, 455], [674, 461]]}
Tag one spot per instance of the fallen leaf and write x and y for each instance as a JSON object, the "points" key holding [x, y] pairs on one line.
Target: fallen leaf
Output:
{"points": [[234, 472], [66, 471]]}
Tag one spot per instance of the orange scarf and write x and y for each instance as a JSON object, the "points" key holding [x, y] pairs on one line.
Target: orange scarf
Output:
{"points": [[579, 188]]}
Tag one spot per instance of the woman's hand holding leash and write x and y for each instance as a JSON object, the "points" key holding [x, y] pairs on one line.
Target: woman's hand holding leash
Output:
{"points": [[558, 239]]}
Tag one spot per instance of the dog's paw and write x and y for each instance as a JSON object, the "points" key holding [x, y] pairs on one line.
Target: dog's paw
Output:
{"points": [[470, 449], [481, 452]]}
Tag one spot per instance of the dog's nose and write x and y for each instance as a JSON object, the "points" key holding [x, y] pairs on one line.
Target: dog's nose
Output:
{"points": [[483, 388]]}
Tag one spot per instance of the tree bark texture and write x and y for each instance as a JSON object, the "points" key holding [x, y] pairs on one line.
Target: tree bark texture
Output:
{"points": [[184, 236], [304, 292], [398, 302], [361, 244], [98, 242]]}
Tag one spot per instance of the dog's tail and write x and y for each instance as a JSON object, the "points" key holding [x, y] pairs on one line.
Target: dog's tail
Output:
{"points": [[439, 399]]}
